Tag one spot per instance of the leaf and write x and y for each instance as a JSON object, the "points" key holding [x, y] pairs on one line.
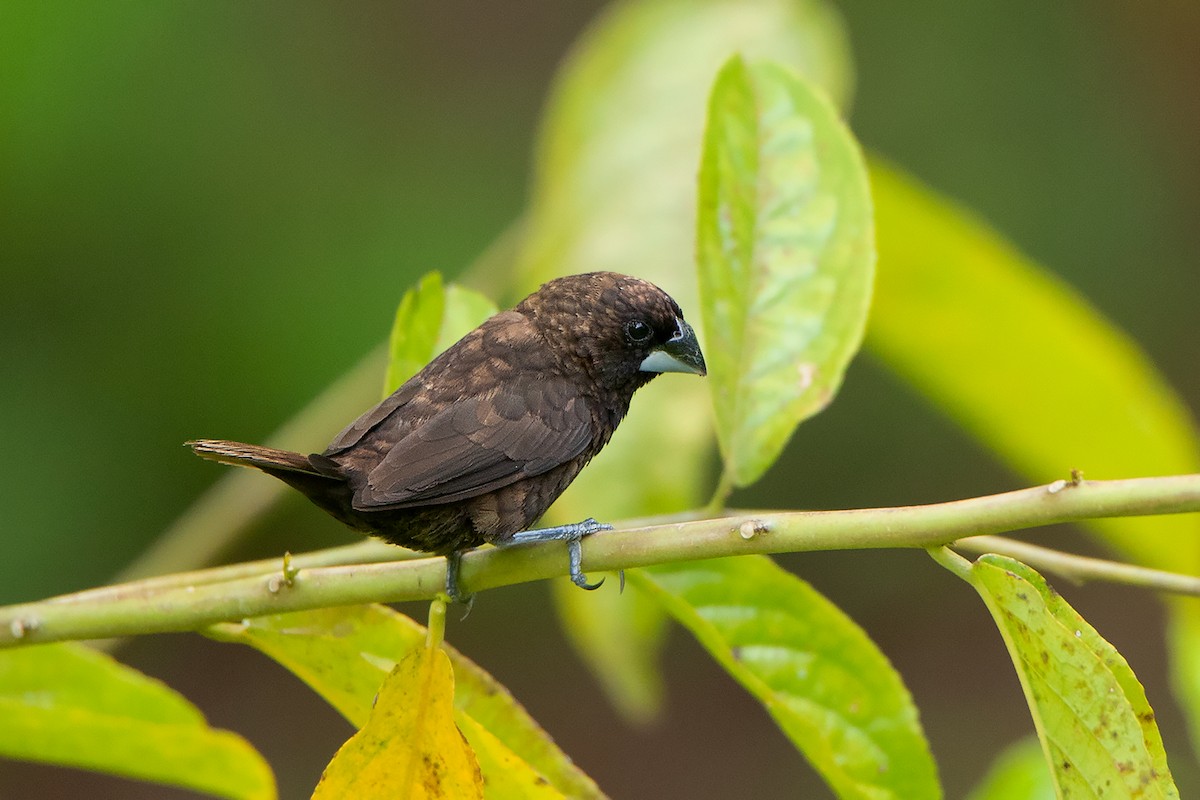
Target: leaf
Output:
{"points": [[614, 189], [464, 311], [814, 670], [1096, 726], [1023, 362], [431, 317], [615, 166], [68, 705], [1183, 647], [414, 331], [410, 748], [619, 637], [345, 653], [505, 774], [786, 256], [1020, 773], [1035, 373]]}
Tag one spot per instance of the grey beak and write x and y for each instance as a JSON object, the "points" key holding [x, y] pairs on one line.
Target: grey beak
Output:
{"points": [[680, 353]]}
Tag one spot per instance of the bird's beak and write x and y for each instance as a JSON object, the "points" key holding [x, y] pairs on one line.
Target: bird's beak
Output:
{"points": [[680, 353]]}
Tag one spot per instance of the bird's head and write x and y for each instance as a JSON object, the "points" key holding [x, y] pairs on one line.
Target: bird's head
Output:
{"points": [[621, 330]]}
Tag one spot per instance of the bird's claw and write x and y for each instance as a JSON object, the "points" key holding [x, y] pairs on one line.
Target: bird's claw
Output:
{"points": [[575, 554]]}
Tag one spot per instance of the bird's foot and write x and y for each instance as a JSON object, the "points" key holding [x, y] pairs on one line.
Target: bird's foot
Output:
{"points": [[571, 534], [453, 564], [575, 530]]}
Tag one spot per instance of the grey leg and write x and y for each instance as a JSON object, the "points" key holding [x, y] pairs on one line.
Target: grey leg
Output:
{"points": [[453, 562], [571, 534]]}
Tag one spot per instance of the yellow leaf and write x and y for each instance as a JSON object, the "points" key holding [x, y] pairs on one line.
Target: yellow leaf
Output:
{"points": [[506, 775], [410, 748]]}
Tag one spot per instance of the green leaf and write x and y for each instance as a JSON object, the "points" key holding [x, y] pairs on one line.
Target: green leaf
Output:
{"points": [[431, 317], [786, 255], [414, 331], [616, 164], [1183, 647], [1020, 773], [828, 687], [615, 190], [615, 168], [345, 653], [1035, 373], [1023, 362], [69, 705], [1096, 726], [464, 311], [619, 636], [410, 747]]}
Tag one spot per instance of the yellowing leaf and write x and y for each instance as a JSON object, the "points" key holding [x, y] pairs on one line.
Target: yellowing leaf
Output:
{"points": [[345, 653], [506, 776], [410, 748], [1097, 728]]}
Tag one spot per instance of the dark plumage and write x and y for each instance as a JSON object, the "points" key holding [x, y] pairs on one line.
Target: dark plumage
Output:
{"points": [[476, 446]]}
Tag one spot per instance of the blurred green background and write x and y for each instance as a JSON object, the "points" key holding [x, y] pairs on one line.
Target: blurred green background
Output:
{"points": [[208, 212]]}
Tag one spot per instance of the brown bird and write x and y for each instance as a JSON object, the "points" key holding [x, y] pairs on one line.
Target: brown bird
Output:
{"points": [[476, 446]]}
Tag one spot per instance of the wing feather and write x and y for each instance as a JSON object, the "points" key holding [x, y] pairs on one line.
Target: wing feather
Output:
{"points": [[353, 433], [480, 444]]}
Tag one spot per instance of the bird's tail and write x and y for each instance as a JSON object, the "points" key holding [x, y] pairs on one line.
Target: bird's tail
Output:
{"points": [[267, 459]]}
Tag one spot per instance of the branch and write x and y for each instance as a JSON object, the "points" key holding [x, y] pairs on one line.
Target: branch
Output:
{"points": [[165, 604]]}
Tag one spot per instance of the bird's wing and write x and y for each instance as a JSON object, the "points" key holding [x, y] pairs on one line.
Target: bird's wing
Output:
{"points": [[353, 433], [479, 444]]}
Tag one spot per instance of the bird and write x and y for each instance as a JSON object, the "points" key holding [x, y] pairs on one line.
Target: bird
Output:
{"points": [[477, 445]]}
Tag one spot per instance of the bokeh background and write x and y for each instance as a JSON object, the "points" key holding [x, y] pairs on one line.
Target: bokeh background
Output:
{"points": [[208, 212]]}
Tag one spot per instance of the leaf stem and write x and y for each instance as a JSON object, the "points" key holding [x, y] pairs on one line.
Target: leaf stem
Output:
{"points": [[175, 606], [436, 632], [716, 505], [952, 561]]}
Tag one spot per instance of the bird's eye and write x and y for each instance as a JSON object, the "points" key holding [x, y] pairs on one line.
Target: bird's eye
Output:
{"points": [[638, 331]]}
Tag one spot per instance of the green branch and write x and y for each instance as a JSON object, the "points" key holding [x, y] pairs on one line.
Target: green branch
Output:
{"points": [[238, 592], [1081, 569]]}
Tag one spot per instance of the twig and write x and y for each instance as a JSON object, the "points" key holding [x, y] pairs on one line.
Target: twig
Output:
{"points": [[192, 606], [1080, 569]]}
